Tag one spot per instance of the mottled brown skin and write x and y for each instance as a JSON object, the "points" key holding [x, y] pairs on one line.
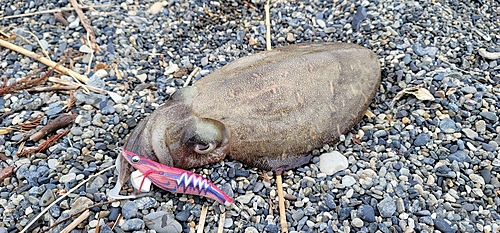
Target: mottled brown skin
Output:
{"points": [[268, 110]]}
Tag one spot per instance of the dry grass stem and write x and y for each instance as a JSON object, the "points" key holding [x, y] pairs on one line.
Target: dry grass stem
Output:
{"points": [[203, 217], [85, 24]]}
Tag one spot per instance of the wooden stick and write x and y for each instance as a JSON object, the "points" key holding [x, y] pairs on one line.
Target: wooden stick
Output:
{"points": [[63, 196], [281, 203], [222, 219], [268, 26], [43, 60], [203, 216], [77, 221]]}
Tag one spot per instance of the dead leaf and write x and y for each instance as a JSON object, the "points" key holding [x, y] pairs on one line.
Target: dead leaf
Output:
{"points": [[418, 91]]}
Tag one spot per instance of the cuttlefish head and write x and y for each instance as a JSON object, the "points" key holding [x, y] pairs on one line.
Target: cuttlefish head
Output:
{"points": [[174, 136]]}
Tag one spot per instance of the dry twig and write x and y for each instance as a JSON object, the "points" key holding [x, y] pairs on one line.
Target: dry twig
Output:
{"points": [[203, 216], [61, 121], [222, 219], [268, 26], [281, 204], [77, 221], [71, 101], [85, 24]]}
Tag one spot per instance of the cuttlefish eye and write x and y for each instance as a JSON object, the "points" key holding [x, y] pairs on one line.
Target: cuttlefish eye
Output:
{"points": [[136, 159], [205, 148]]}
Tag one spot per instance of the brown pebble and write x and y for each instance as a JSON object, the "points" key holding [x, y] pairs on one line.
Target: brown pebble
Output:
{"points": [[290, 197]]}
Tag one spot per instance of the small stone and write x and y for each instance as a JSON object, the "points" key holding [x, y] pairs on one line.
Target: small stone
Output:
{"points": [[70, 177], [422, 139], [447, 125], [488, 147], [358, 17], [228, 223], [321, 23], [297, 215], [129, 210], [386, 207], [469, 90], [486, 174], [183, 215], [469, 133], [357, 222], [143, 77], [443, 226], [366, 213], [481, 126], [134, 224], [52, 163], [114, 213], [490, 116], [146, 203], [290, 37], [477, 179], [333, 162], [75, 23], [251, 230], [47, 198], [245, 199], [162, 222], [348, 181], [459, 156], [171, 69], [85, 49]]}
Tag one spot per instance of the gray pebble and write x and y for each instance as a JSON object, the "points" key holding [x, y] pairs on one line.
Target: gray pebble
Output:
{"points": [[443, 226], [447, 125], [459, 156], [386, 207], [366, 213], [162, 222], [490, 116], [183, 215], [47, 198], [422, 139], [134, 224], [129, 210], [297, 215], [145, 203], [469, 133], [228, 223]]}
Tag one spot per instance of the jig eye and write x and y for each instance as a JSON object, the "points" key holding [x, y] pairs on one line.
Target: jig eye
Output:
{"points": [[205, 148], [136, 159]]}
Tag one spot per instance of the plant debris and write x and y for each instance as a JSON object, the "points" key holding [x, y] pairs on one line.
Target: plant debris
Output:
{"points": [[51, 141], [61, 121]]}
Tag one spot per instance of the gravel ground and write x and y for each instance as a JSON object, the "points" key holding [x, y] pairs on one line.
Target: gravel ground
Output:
{"points": [[415, 165]]}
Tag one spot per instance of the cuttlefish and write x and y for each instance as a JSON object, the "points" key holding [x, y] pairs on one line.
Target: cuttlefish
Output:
{"points": [[268, 110]]}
